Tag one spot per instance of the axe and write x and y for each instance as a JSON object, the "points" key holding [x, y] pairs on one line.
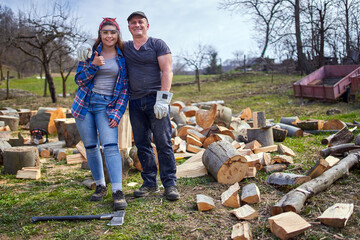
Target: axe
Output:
{"points": [[117, 218]]}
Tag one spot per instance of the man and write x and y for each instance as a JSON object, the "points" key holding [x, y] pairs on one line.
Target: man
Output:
{"points": [[150, 76]]}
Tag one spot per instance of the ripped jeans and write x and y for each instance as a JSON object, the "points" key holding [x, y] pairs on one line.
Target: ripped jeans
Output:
{"points": [[95, 126]]}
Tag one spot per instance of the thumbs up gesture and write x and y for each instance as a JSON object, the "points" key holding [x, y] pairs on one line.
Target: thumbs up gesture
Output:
{"points": [[98, 60]]}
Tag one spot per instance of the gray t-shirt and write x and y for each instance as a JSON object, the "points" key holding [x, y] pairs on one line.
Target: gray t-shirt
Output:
{"points": [[143, 66], [105, 78]]}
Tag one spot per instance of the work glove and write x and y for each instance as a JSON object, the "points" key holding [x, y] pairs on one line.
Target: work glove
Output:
{"points": [[85, 50], [161, 107]]}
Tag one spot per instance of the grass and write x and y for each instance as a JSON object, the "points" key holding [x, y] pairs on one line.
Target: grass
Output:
{"points": [[60, 192]]}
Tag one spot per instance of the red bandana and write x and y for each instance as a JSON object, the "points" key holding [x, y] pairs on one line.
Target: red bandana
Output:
{"points": [[109, 20]]}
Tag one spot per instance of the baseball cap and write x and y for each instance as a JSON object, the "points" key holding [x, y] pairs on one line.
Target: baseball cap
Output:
{"points": [[137, 13]]}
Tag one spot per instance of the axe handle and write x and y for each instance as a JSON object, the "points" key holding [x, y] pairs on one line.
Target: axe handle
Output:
{"points": [[76, 217]]}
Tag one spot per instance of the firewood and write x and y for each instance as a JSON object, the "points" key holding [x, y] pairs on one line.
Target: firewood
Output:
{"points": [[75, 159], [182, 147], [246, 114], [322, 165], [263, 135], [125, 132], [223, 116], [71, 134], [193, 148], [254, 161], [237, 124], [292, 131], [11, 121], [245, 152], [295, 199], [225, 163], [241, 231], [282, 159], [338, 149], [250, 193], [237, 144], [224, 137], [334, 124], [209, 140], [193, 141], [47, 149], [80, 146], [274, 168], [251, 172], [311, 124], [6, 128], [290, 121], [183, 131], [3, 145], [189, 111], [195, 134], [271, 148], [252, 145], [230, 198], [264, 158], [226, 131], [204, 203], [5, 134], [179, 119], [285, 150], [342, 136], [288, 225], [178, 104], [280, 179], [15, 158], [29, 173], [193, 167], [25, 116], [259, 119], [89, 183], [133, 155], [206, 118], [337, 215], [208, 104], [127, 162], [357, 140], [58, 113], [279, 134], [245, 212], [9, 111]]}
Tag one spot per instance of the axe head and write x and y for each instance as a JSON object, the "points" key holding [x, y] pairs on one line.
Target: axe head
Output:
{"points": [[117, 219]]}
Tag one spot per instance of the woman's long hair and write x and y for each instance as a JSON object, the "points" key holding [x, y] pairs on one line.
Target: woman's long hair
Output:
{"points": [[119, 43]]}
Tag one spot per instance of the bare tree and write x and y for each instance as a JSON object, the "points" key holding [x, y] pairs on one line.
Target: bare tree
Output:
{"points": [[196, 59], [7, 25], [38, 36]]}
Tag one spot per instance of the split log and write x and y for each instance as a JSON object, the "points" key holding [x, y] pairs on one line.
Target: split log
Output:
{"points": [[334, 124], [183, 131], [174, 110], [225, 163], [178, 104], [295, 199], [237, 125], [292, 121], [5, 129], [81, 148], [127, 162], [252, 145], [282, 159], [208, 104], [338, 149], [274, 168], [206, 118], [245, 212], [241, 231], [89, 183], [193, 141], [238, 145], [15, 158], [311, 124], [133, 155], [195, 134], [245, 152], [251, 173], [292, 131], [193, 148], [342, 136], [71, 134], [246, 114], [125, 132], [224, 137], [209, 140], [279, 134], [189, 111], [204, 203], [254, 161], [11, 121], [230, 198], [263, 135], [179, 119], [284, 150], [265, 158], [223, 116], [271, 148], [337, 215], [29, 173], [280, 179], [9, 111], [182, 147], [250, 193], [288, 225], [226, 131], [259, 119], [193, 167], [5, 134], [322, 165], [58, 113], [75, 159]]}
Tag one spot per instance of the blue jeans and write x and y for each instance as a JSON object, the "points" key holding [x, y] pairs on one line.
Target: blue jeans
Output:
{"points": [[95, 126], [144, 125]]}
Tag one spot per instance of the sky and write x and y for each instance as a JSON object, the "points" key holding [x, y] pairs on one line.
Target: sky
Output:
{"points": [[182, 24]]}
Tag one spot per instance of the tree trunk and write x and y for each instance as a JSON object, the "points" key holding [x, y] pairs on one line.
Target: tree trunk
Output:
{"points": [[50, 80], [302, 62], [197, 77]]}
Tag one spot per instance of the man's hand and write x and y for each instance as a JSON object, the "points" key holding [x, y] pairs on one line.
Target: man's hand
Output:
{"points": [[85, 50], [161, 107], [98, 60]]}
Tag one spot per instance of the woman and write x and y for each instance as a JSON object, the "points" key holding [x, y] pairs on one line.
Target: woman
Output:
{"points": [[98, 106]]}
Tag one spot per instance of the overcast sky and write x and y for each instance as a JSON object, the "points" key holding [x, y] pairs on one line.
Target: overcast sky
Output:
{"points": [[182, 24]]}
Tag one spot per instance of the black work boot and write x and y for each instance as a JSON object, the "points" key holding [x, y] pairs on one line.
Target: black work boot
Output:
{"points": [[99, 194], [119, 200], [143, 191], [171, 193]]}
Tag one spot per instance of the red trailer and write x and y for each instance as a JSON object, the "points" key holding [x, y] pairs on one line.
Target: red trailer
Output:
{"points": [[329, 82]]}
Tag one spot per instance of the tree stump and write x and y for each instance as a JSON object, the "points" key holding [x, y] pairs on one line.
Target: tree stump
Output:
{"points": [[59, 124], [71, 134], [11, 121], [15, 158], [24, 116], [42, 118], [225, 163], [279, 134], [263, 135]]}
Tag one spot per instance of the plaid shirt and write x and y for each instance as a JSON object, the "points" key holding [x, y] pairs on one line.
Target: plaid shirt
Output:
{"points": [[85, 74]]}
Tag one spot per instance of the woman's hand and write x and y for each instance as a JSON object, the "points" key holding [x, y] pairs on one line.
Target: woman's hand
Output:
{"points": [[112, 123], [98, 60]]}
